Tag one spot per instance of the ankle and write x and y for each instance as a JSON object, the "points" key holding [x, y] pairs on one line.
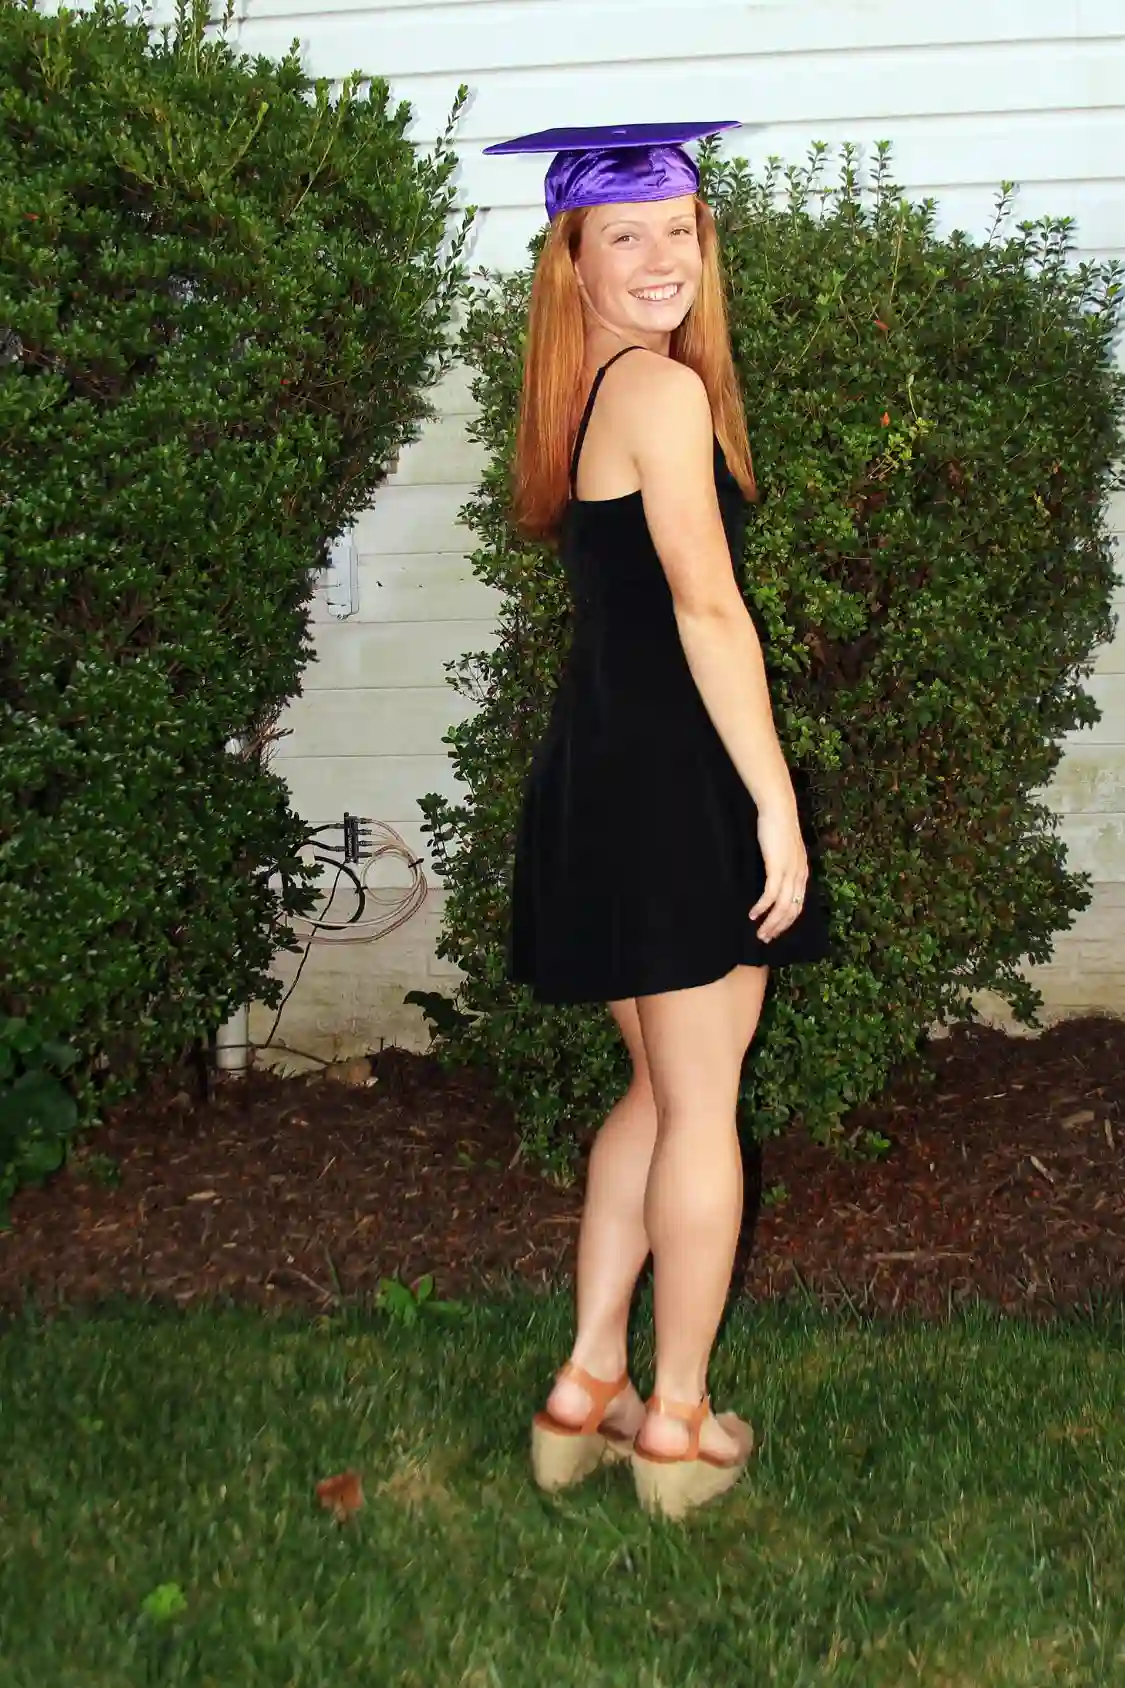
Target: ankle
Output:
{"points": [[686, 1389], [605, 1360]]}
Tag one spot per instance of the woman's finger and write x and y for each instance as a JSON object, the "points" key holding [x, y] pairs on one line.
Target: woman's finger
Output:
{"points": [[769, 895], [786, 908]]}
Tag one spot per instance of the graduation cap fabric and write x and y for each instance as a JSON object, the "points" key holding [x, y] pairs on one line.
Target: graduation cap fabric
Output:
{"points": [[629, 164]]}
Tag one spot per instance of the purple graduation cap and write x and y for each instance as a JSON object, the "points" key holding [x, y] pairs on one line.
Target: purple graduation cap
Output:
{"points": [[632, 163]]}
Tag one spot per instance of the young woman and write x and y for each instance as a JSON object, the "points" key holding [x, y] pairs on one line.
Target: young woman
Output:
{"points": [[660, 866]]}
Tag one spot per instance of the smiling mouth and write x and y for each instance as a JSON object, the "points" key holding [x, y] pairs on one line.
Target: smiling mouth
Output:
{"points": [[658, 295]]}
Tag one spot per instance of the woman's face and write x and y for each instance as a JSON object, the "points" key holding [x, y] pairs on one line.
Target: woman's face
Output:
{"points": [[639, 266]]}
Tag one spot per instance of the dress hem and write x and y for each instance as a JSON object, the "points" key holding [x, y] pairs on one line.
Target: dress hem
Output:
{"points": [[711, 975]]}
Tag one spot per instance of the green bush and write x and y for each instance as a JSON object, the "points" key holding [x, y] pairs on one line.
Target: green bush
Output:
{"points": [[38, 1112], [223, 295], [935, 423]]}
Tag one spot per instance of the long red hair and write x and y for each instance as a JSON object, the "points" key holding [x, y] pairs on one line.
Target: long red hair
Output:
{"points": [[554, 393]]}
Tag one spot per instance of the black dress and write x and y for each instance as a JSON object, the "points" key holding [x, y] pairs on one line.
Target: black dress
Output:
{"points": [[637, 858]]}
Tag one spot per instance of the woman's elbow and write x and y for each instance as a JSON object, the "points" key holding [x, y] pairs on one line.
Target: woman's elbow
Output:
{"points": [[715, 610]]}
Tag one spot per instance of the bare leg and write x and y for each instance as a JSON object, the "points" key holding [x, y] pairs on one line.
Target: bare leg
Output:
{"points": [[613, 1243], [695, 1041]]}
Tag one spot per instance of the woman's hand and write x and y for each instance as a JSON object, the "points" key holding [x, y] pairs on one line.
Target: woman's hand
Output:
{"points": [[787, 872]]}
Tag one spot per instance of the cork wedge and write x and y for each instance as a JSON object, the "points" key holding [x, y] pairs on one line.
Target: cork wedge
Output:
{"points": [[676, 1484], [562, 1454]]}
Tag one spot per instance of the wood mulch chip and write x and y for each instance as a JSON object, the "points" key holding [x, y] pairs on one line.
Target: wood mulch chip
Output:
{"points": [[1003, 1182]]}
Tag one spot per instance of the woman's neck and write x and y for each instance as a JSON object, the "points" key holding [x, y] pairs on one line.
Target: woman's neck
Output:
{"points": [[603, 342]]}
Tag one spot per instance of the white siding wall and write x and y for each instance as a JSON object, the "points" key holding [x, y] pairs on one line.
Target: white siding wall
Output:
{"points": [[969, 93]]}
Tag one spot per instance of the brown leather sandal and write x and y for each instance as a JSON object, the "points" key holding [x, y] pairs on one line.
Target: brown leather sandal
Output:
{"points": [[675, 1484], [562, 1454]]}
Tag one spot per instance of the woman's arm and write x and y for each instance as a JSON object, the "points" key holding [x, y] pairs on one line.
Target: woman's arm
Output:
{"points": [[666, 420]]}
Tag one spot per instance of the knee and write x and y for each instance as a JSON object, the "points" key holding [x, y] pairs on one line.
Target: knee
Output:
{"points": [[638, 1105], [702, 1115]]}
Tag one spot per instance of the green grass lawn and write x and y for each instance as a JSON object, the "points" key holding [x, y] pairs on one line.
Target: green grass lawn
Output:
{"points": [[937, 1506]]}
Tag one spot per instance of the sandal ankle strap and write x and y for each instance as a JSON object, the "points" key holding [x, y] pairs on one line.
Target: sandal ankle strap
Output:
{"points": [[691, 1413], [602, 1393]]}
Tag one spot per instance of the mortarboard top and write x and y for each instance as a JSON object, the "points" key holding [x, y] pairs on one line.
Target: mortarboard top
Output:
{"points": [[625, 164]]}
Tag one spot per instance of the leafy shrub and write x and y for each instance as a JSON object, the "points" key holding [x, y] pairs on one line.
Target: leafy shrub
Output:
{"points": [[935, 422], [38, 1112], [223, 295]]}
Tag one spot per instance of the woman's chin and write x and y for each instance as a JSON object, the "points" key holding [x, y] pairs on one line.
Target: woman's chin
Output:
{"points": [[659, 319]]}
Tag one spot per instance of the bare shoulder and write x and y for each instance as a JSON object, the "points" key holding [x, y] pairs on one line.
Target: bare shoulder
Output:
{"points": [[648, 378], [650, 390]]}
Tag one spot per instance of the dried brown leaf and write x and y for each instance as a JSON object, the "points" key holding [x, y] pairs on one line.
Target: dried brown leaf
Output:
{"points": [[341, 1495]]}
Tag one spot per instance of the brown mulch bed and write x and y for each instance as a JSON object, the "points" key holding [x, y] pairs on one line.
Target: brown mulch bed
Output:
{"points": [[1003, 1182]]}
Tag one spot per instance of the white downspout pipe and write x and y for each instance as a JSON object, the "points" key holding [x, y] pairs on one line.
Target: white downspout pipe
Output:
{"points": [[232, 1042]]}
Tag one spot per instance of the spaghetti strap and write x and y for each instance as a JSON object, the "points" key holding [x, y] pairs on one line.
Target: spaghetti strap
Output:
{"points": [[580, 437]]}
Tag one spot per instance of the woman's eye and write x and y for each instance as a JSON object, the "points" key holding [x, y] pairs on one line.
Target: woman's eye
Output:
{"points": [[618, 239]]}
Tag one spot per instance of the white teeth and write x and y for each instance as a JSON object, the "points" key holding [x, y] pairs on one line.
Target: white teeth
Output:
{"points": [[656, 294]]}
